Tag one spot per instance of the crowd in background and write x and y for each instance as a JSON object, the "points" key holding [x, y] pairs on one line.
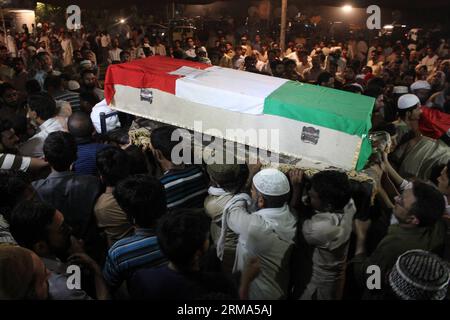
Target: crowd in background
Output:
{"points": [[143, 227]]}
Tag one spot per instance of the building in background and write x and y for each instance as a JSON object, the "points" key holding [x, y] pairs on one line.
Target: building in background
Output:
{"points": [[16, 13]]}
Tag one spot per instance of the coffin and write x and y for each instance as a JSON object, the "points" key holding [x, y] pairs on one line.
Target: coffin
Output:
{"points": [[314, 124]]}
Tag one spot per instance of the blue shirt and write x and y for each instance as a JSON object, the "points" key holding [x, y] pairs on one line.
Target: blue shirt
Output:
{"points": [[86, 158], [132, 253]]}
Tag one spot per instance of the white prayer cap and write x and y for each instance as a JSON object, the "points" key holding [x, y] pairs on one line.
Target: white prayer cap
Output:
{"points": [[420, 84], [407, 101], [400, 89], [271, 182]]}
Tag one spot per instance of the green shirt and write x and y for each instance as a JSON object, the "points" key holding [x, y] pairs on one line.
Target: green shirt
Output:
{"points": [[397, 241]]}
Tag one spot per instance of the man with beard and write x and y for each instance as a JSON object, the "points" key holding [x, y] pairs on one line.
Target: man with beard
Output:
{"points": [[89, 84], [266, 227], [74, 68], [416, 154], [11, 108], [42, 229], [20, 77], [409, 114], [45, 67], [8, 137]]}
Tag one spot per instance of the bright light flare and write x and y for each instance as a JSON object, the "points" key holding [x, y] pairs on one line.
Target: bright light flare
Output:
{"points": [[347, 8]]}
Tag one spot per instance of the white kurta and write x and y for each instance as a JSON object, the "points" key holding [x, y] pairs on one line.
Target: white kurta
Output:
{"points": [[258, 237], [11, 45]]}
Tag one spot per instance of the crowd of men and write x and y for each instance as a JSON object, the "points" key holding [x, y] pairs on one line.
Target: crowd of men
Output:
{"points": [[142, 227]]}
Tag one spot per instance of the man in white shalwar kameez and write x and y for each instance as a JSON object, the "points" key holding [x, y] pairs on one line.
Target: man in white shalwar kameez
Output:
{"points": [[267, 233]]}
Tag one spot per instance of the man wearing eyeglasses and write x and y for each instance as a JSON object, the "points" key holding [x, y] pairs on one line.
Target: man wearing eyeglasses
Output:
{"points": [[419, 210]]}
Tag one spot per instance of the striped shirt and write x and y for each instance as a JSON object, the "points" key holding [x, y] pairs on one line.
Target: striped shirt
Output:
{"points": [[130, 254], [72, 97], [14, 162], [186, 188], [86, 158]]}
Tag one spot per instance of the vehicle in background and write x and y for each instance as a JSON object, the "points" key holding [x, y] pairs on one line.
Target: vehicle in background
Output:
{"points": [[158, 30], [180, 29], [394, 31]]}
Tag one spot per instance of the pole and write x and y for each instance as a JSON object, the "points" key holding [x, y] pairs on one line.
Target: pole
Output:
{"points": [[283, 26], [167, 11]]}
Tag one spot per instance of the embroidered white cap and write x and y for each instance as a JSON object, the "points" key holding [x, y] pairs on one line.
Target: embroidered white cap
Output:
{"points": [[420, 84], [407, 101], [271, 182]]}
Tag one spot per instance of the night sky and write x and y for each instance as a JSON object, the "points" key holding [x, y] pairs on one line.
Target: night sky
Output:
{"points": [[402, 4]]}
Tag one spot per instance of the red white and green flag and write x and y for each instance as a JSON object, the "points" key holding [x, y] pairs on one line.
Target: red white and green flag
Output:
{"points": [[314, 122]]}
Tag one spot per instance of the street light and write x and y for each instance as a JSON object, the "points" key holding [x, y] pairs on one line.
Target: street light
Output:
{"points": [[122, 20], [347, 8]]}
